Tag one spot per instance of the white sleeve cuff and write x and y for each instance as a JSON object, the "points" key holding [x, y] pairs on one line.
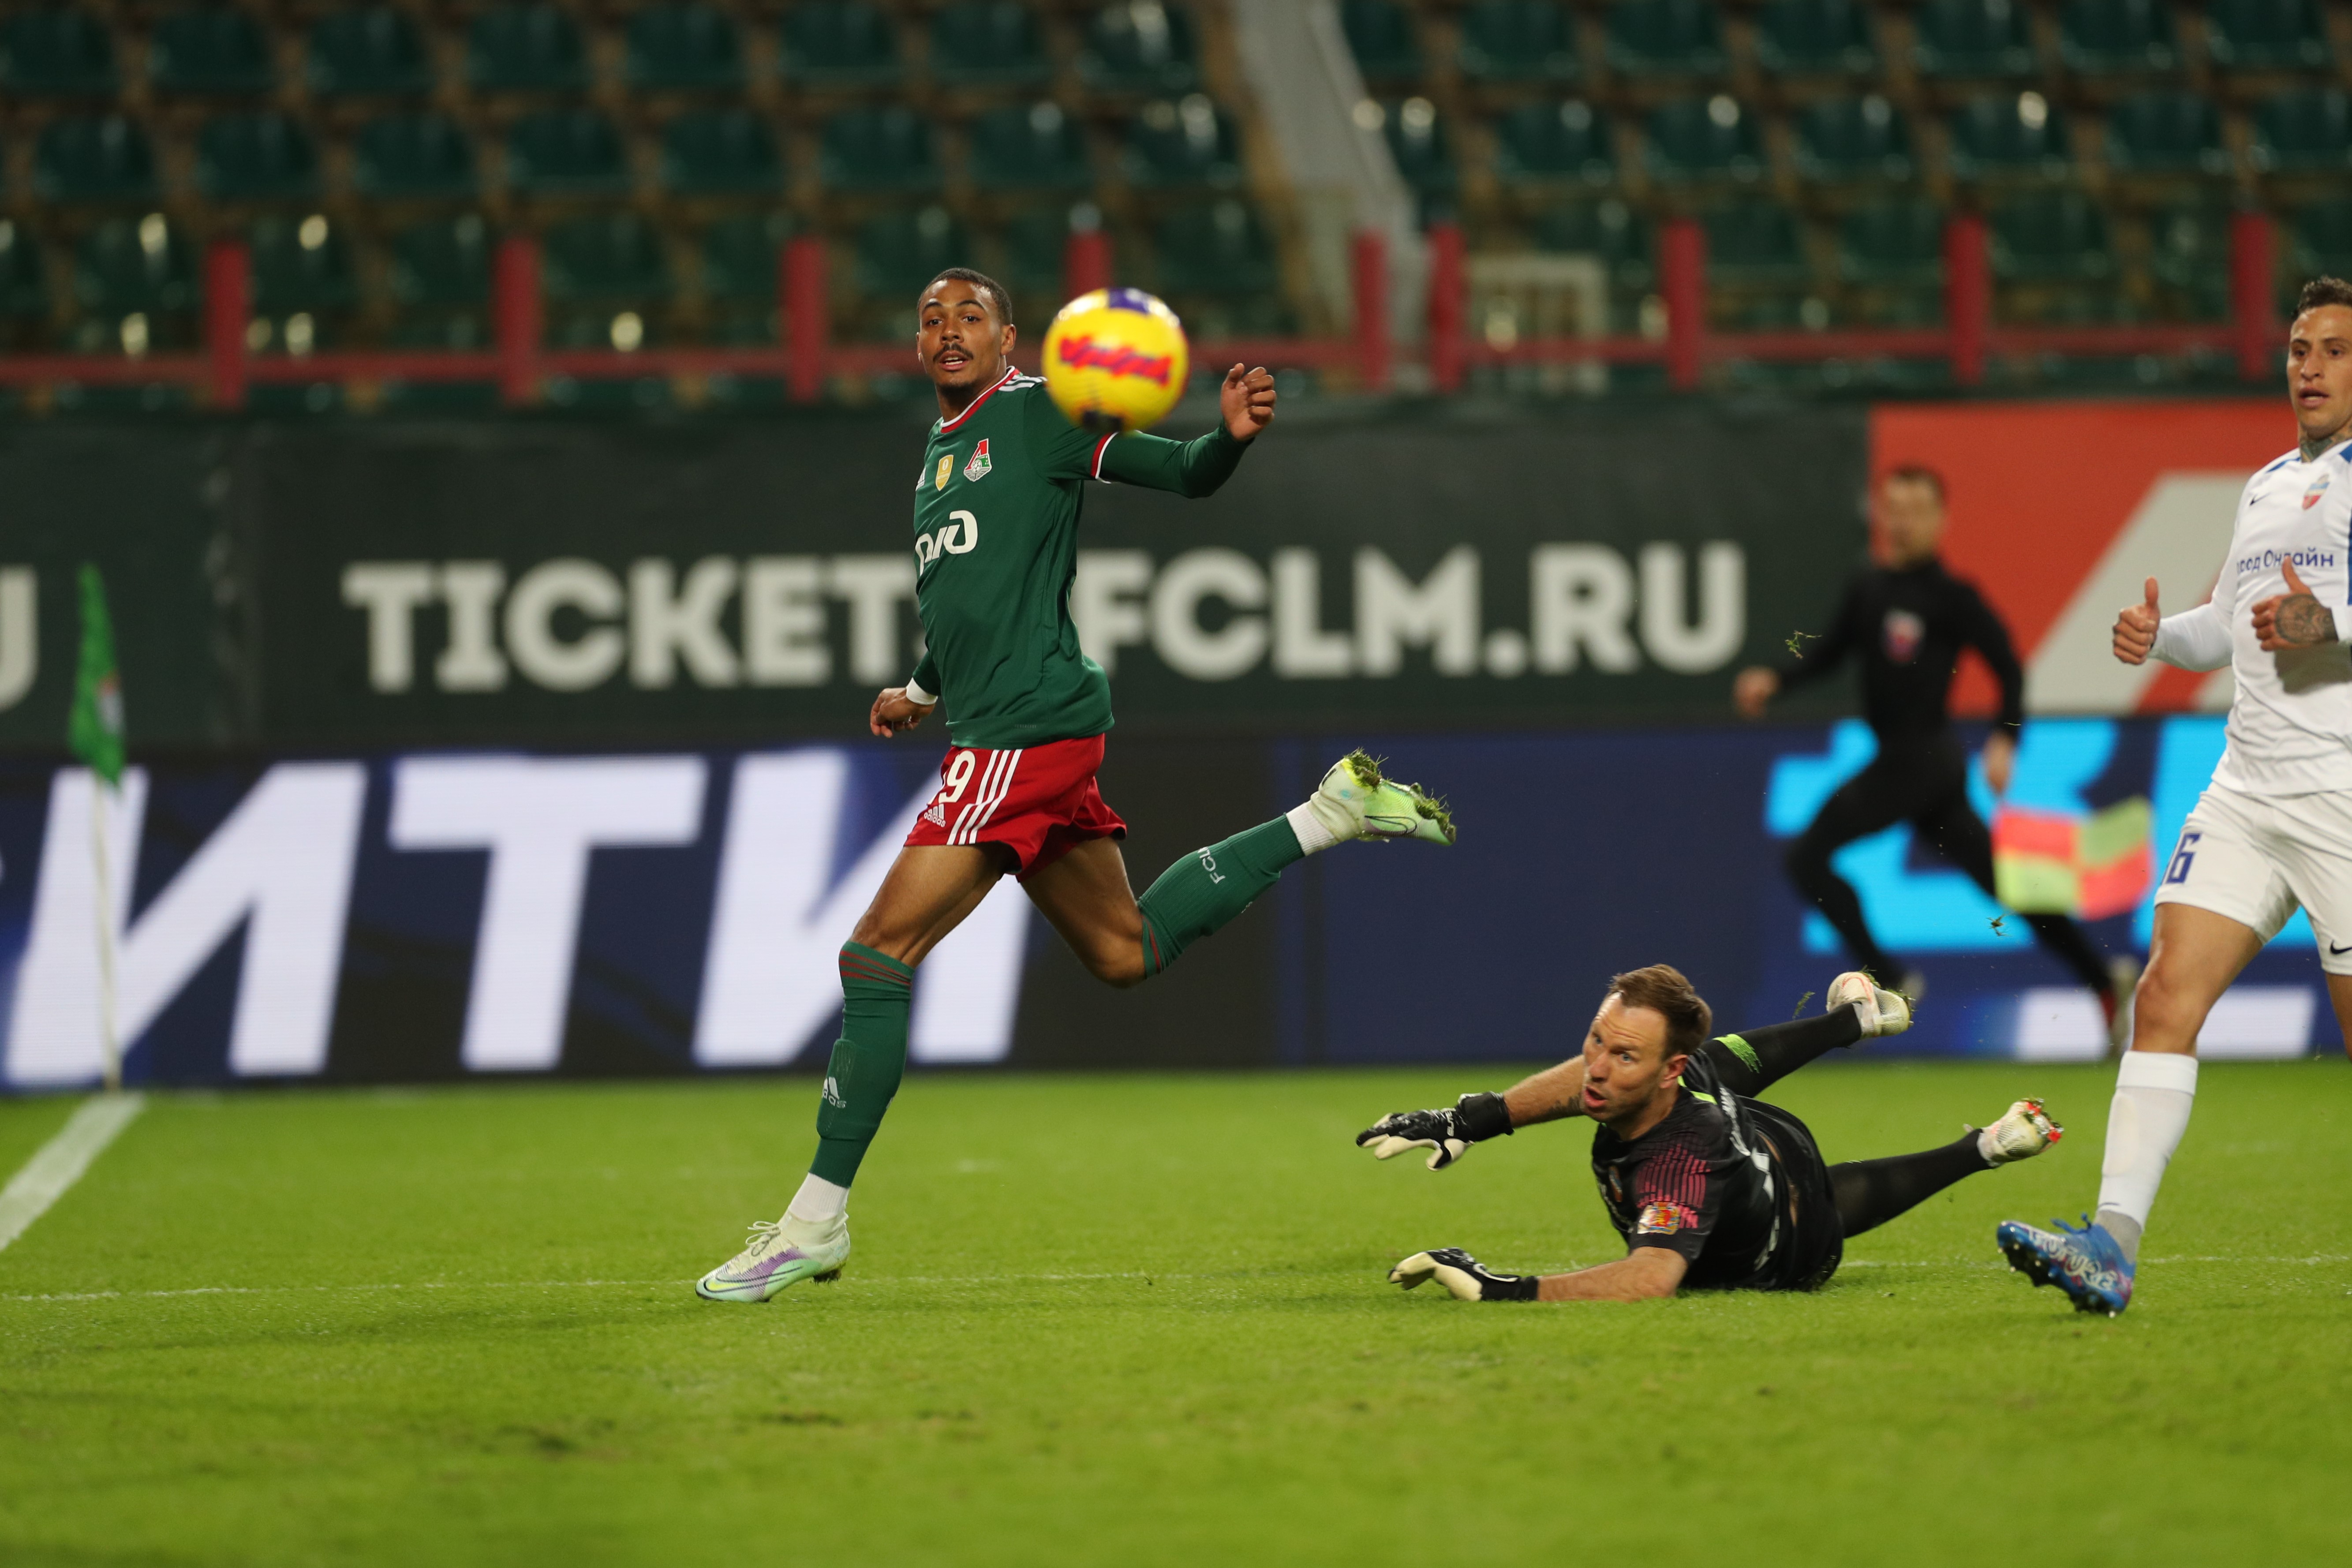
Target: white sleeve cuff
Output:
{"points": [[917, 696]]}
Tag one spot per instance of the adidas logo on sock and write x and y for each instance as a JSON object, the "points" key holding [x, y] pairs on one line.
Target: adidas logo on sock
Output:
{"points": [[832, 1095]]}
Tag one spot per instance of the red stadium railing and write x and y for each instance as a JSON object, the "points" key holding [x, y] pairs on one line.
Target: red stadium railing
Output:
{"points": [[807, 359]]}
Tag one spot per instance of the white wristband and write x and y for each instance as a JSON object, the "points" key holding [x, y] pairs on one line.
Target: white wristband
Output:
{"points": [[917, 696]]}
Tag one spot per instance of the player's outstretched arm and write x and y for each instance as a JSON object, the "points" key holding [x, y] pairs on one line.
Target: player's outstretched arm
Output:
{"points": [[1643, 1274], [1447, 1132], [894, 710]]}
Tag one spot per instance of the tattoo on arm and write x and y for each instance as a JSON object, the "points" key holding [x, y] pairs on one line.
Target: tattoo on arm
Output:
{"points": [[2305, 621]]}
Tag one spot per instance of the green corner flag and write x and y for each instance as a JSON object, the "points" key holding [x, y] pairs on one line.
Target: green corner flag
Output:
{"points": [[95, 730]]}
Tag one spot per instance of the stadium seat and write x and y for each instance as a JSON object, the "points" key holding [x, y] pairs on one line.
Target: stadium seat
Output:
{"points": [[740, 255], [2117, 37], [1896, 243], [128, 265], [900, 252], [838, 44], [1973, 39], [369, 51], [2303, 131], [2009, 135], [442, 263], [1517, 40], [1418, 141], [1217, 250], [719, 151], [604, 257], [1847, 141], [883, 147], [987, 43], [565, 152], [2165, 134], [413, 156], [2048, 236], [2189, 249], [1815, 38], [1032, 247], [94, 158], [532, 46], [24, 276], [684, 46], [209, 50], [1609, 229], [1666, 38], [1544, 142], [1187, 142], [1754, 242], [2323, 238], [263, 156], [301, 264], [1704, 139], [56, 51], [1380, 35], [1029, 147], [1139, 46], [2266, 35]]}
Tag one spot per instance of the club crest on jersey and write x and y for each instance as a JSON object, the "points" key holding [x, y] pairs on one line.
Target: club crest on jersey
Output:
{"points": [[978, 464], [2318, 488], [1903, 632], [946, 467], [1665, 1219]]}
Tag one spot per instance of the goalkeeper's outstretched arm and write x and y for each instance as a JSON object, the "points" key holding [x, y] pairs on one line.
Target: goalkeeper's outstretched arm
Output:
{"points": [[1448, 1131]]}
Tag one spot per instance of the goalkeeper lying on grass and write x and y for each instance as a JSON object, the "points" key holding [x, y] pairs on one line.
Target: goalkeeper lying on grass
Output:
{"points": [[1709, 1187]]}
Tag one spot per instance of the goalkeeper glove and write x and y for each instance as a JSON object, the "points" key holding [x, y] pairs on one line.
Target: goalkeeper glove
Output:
{"points": [[1445, 1133], [1464, 1276]]}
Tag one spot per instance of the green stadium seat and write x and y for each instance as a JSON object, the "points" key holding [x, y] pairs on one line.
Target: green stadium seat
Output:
{"points": [[1032, 247], [739, 256], [719, 151], [368, 51], [2049, 237], [602, 258], [94, 158], [1892, 244], [1754, 242], [987, 43], [1380, 35], [301, 264], [56, 51], [413, 156], [886, 147], [1029, 147], [900, 252], [533, 46], [1609, 229], [2322, 234], [1815, 38], [2303, 131], [1517, 40], [2117, 37], [2165, 134], [1666, 38], [1973, 39], [1217, 250], [1139, 46], [566, 153], [1850, 141], [129, 265], [1545, 142], [2266, 35], [2188, 251], [1704, 139], [684, 46], [442, 263], [210, 50], [1418, 141], [1187, 142], [2009, 135], [24, 281], [838, 44], [263, 156]]}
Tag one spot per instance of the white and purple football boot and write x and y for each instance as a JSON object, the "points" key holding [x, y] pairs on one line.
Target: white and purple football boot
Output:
{"points": [[780, 1252]]}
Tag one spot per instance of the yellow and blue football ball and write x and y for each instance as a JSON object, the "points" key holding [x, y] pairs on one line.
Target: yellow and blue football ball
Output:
{"points": [[1116, 359]]}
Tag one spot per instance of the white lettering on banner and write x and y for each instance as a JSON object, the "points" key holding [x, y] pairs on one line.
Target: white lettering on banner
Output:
{"points": [[1580, 596], [874, 586], [279, 868], [1190, 648], [540, 818], [1722, 608], [391, 592], [771, 976], [471, 661], [1302, 648], [1441, 613], [567, 582], [20, 636], [1107, 603], [783, 622], [665, 624]]}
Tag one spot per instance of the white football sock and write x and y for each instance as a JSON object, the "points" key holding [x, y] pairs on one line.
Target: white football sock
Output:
{"points": [[2154, 1093], [1315, 834], [819, 1202]]}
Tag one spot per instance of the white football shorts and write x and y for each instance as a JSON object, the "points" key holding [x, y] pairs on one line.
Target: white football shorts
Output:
{"points": [[2256, 858]]}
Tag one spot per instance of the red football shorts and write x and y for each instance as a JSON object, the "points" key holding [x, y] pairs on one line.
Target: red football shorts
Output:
{"points": [[1037, 800]]}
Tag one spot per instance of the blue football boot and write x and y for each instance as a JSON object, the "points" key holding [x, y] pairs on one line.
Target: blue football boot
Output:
{"points": [[2084, 1262]]}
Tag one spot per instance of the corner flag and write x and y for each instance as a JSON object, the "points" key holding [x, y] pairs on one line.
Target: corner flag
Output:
{"points": [[94, 731]]}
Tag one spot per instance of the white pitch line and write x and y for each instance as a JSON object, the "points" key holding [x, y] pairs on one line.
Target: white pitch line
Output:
{"points": [[59, 1163]]}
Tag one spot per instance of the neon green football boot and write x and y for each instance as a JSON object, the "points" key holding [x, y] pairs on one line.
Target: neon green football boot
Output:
{"points": [[780, 1252], [1354, 801]]}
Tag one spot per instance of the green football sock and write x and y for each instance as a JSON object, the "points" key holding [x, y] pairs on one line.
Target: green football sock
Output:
{"points": [[868, 1061], [1209, 886]]}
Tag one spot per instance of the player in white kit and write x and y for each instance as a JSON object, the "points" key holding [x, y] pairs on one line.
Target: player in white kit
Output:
{"points": [[2274, 830]]}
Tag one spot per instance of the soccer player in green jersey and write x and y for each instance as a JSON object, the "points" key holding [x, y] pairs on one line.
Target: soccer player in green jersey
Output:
{"points": [[996, 540]]}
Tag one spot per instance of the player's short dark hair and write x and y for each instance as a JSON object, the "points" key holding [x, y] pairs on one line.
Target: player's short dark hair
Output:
{"points": [[1000, 298], [1663, 989], [2322, 290], [1918, 474]]}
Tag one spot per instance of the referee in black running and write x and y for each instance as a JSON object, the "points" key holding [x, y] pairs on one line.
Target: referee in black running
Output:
{"points": [[1906, 624]]}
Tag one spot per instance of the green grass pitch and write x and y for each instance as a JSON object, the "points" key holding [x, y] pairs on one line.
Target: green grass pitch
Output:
{"points": [[1139, 1321]]}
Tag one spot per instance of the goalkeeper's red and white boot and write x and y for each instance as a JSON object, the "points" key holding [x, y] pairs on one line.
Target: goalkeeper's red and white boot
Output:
{"points": [[1355, 801], [2022, 1132], [1881, 1012]]}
